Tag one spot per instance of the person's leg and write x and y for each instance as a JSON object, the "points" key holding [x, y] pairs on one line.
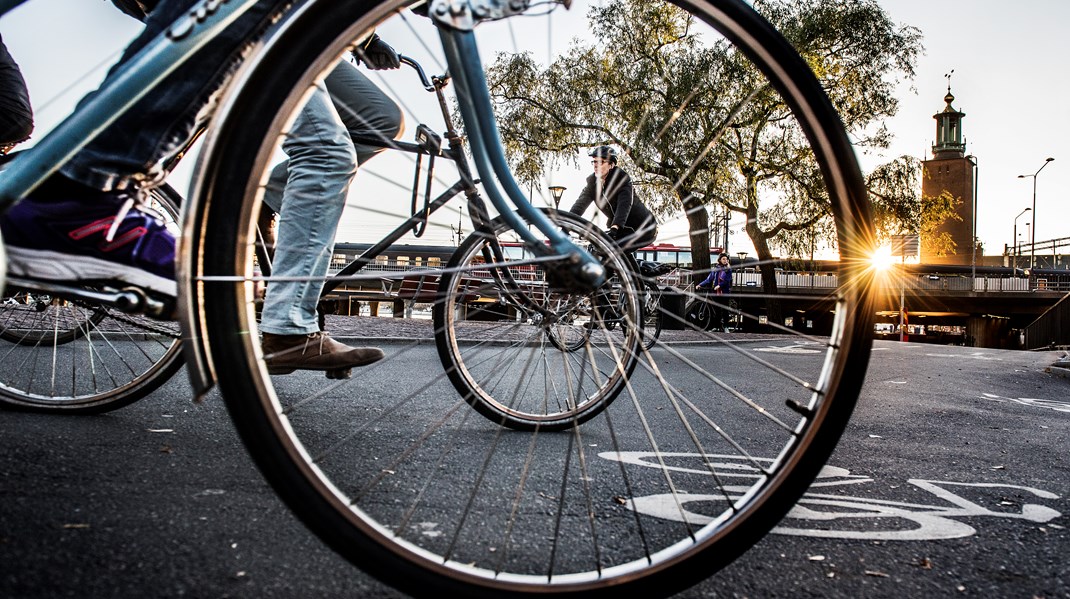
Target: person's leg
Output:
{"points": [[84, 223], [365, 111], [16, 114], [322, 164], [131, 151], [364, 108], [641, 237]]}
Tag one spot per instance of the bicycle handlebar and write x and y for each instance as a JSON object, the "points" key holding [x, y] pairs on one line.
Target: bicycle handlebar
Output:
{"points": [[419, 71]]}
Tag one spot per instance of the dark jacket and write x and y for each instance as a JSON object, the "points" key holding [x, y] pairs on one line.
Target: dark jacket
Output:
{"points": [[720, 275], [617, 202], [16, 114]]}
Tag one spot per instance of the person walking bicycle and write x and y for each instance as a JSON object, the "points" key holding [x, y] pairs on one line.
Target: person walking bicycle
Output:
{"points": [[720, 282]]}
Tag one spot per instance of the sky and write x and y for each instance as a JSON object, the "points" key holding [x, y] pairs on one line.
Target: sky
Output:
{"points": [[1009, 79]]}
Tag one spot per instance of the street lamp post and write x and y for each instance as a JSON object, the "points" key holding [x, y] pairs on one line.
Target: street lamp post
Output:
{"points": [[1033, 239], [556, 191], [973, 227], [1014, 240]]}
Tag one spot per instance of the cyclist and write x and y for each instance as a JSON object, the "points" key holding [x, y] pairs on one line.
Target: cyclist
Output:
{"points": [[16, 115], [720, 281], [85, 222], [630, 223]]}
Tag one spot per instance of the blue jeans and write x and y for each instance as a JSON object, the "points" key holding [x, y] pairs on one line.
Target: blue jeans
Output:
{"points": [[309, 189], [132, 151]]}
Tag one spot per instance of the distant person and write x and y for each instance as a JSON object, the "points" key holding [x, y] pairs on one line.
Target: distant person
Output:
{"points": [[720, 282], [629, 222]]}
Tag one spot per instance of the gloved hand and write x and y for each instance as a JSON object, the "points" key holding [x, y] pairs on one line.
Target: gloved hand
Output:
{"points": [[614, 234], [377, 54]]}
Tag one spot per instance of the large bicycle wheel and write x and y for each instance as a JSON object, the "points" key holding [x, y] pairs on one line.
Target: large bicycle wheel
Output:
{"points": [[501, 321], [705, 448], [59, 355]]}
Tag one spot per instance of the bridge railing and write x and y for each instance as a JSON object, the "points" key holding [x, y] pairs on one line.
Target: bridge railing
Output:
{"points": [[1050, 329], [823, 281], [910, 282]]}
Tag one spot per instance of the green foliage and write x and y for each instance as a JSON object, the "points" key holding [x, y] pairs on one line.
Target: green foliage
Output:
{"points": [[899, 208]]}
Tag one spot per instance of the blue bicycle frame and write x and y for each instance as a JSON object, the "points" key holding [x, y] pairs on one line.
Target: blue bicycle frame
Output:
{"points": [[206, 19]]}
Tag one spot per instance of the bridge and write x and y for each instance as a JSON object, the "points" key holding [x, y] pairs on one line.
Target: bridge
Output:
{"points": [[982, 306], [942, 307]]}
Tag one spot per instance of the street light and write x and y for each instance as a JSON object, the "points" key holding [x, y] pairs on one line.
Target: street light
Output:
{"points": [[1033, 239], [1014, 239], [556, 191], [742, 257], [973, 226]]}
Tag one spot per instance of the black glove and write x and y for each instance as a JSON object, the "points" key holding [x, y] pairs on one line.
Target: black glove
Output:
{"points": [[614, 234], [377, 54]]}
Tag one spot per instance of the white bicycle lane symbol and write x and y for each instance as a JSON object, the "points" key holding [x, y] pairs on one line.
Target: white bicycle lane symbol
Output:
{"points": [[835, 516]]}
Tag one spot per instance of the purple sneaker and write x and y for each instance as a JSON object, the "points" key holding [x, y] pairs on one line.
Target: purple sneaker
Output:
{"points": [[68, 240]]}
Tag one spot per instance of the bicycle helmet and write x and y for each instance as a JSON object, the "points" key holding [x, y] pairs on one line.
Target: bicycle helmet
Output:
{"points": [[605, 153]]}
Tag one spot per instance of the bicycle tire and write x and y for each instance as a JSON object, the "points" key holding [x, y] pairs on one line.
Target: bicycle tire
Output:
{"points": [[699, 314], [478, 357], [652, 314], [574, 333], [83, 358], [72, 328], [389, 470]]}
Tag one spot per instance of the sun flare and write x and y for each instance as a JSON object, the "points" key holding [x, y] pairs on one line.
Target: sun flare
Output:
{"points": [[882, 258]]}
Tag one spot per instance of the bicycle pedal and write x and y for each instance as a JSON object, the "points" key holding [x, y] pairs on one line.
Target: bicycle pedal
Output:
{"points": [[343, 373]]}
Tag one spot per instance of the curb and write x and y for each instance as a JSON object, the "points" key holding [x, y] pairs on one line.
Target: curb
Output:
{"points": [[1063, 371]]}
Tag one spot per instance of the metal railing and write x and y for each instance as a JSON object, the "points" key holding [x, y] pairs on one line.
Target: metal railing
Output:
{"points": [[1050, 329]]}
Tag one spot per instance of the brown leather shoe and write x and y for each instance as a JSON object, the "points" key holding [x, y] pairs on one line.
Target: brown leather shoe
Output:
{"points": [[284, 354]]}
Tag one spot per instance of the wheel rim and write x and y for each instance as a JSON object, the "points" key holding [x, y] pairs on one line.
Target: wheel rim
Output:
{"points": [[395, 473]]}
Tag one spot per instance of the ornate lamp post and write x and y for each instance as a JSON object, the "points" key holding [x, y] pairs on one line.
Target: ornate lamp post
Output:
{"points": [[1033, 238], [556, 191], [742, 257]]}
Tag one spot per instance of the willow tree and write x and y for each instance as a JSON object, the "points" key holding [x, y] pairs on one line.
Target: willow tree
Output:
{"points": [[700, 127], [899, 208]]}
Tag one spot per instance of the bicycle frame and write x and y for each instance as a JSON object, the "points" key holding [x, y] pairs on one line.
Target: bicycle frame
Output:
{"points": [[138, 77], [183, 38]]}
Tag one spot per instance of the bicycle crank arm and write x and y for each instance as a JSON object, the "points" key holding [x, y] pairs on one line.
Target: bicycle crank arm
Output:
{"points": [[130, 300]]}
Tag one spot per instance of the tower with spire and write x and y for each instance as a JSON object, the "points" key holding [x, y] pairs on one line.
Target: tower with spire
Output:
{"points": [[951, 170]]}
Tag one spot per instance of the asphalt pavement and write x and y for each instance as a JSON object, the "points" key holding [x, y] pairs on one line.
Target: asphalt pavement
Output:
{"points": [[951, 481]]}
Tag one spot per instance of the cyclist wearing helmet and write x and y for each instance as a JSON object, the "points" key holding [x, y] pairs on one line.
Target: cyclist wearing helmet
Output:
{"points": [[610, 188]]}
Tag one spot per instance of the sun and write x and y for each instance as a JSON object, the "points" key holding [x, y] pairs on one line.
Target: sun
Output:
{"points": [[882, 258]]}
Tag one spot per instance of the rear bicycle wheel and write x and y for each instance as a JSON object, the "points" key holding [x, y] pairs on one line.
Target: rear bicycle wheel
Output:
{"points": [[520, 368], [71, 357], [652, 313], [702, 452]]}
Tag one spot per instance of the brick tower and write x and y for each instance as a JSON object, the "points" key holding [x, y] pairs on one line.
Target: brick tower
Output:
{"points": [[952, 171]]}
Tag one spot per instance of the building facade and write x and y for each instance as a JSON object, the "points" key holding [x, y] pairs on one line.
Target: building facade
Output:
{"points": [[951, 170]]}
